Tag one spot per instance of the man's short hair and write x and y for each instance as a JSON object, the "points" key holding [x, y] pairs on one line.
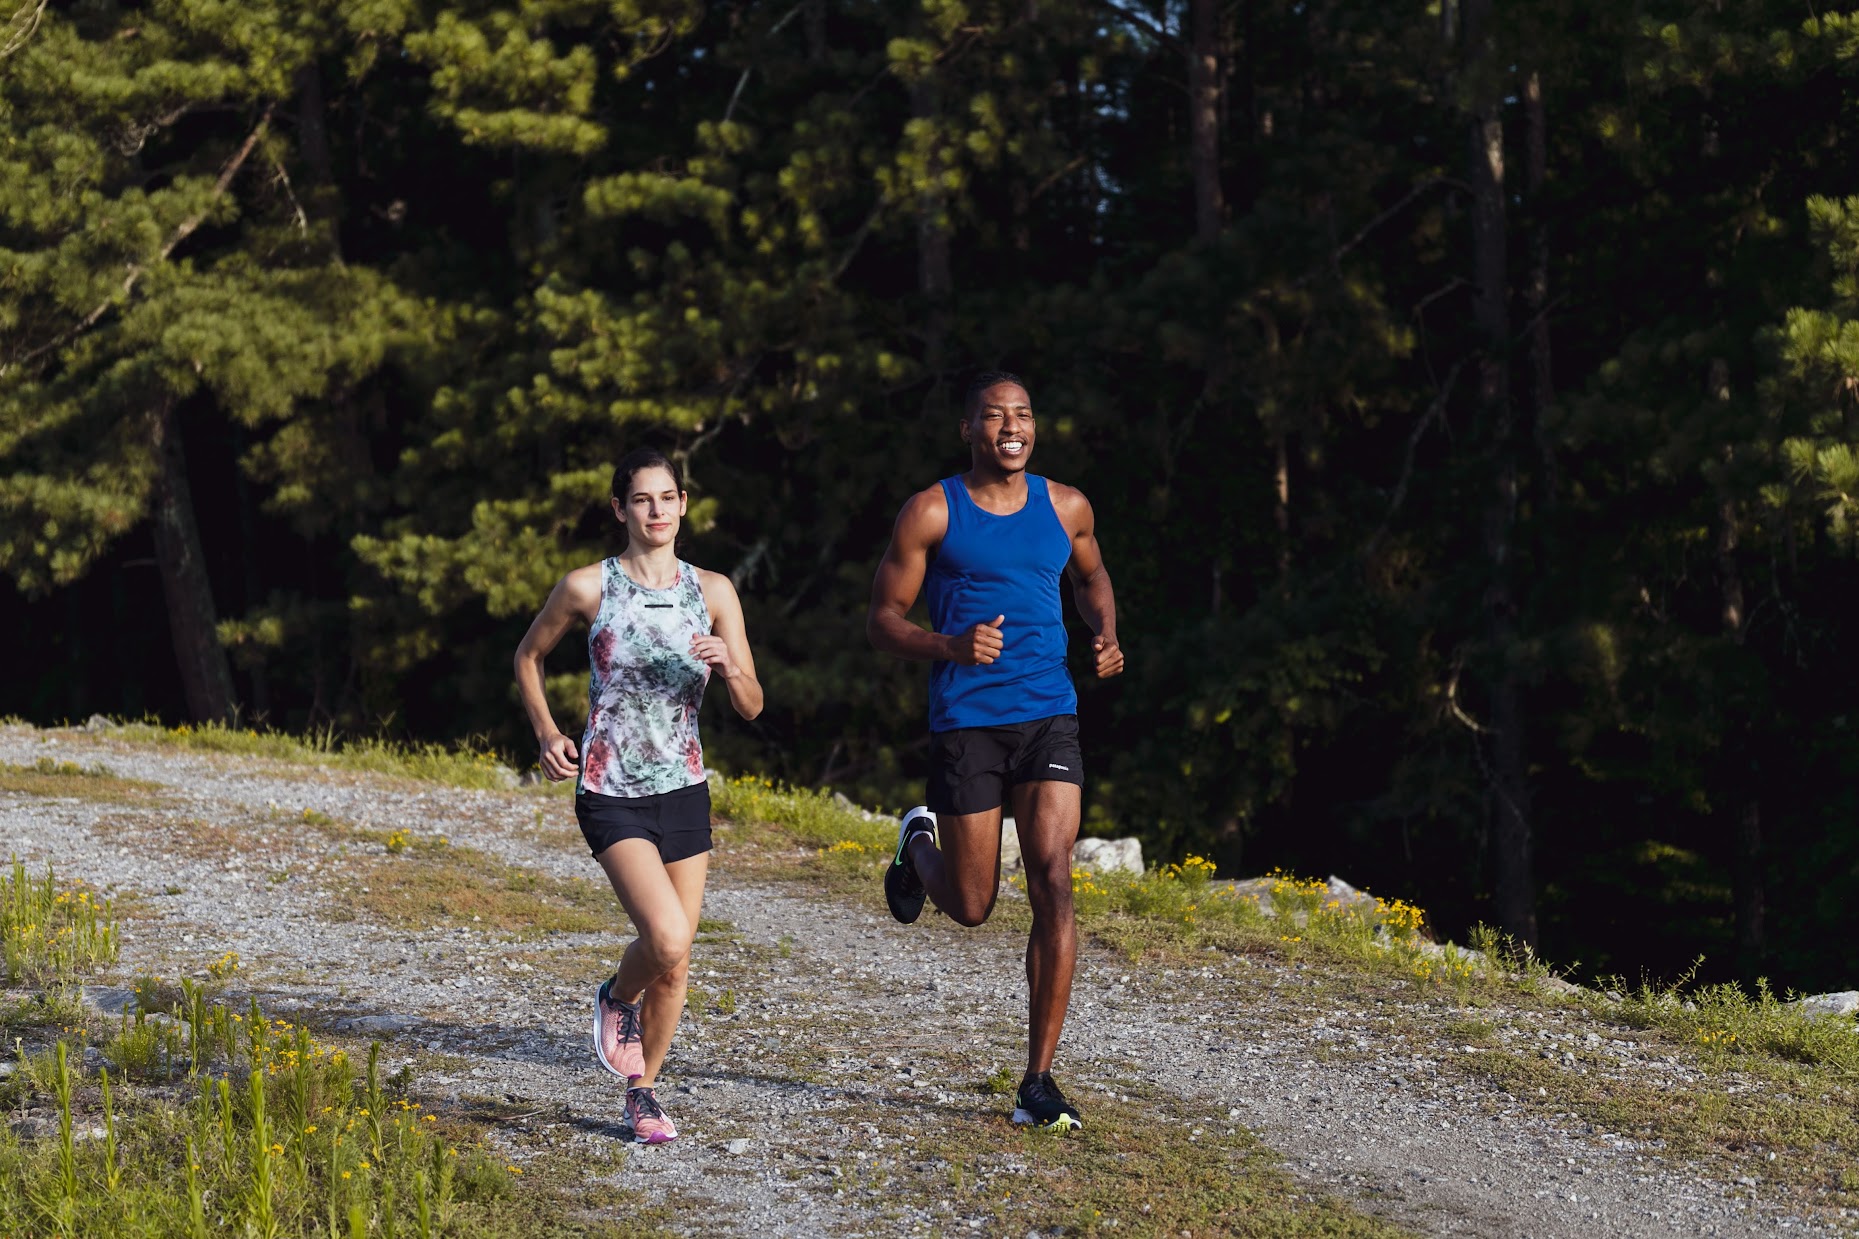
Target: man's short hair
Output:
{"points": [[986, 379]]}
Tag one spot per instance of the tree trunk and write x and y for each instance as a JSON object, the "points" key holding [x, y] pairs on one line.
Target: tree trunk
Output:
{"points": [[260, 681], [1281, 505], [1249, 73], [1751, 892], [1749, 888], [1229, 849], [205, 674], [1730, 577], [77, 657], [1511, 847], [1536, 287], [813, 18], [934, 280], [322, 197], [312, 129], [1204, 116]]}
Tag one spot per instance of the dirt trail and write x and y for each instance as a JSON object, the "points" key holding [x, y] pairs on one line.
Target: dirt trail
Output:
{"points": [[851, 1039]]}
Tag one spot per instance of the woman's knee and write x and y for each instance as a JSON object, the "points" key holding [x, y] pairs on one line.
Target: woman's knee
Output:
{"points": [[675, 977], [667, 946]]}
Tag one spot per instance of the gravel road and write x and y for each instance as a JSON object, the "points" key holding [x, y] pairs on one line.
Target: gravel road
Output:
{"points": [[778, 1113]]}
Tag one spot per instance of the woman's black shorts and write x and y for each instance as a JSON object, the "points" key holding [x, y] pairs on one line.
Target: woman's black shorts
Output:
{"points": [[677, 823]]}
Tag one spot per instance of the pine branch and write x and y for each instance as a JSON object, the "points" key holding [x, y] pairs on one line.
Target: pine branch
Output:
{"points": [[1143, 23], [186, 228], [1434, 411], [1362, 233], [21, 25]]}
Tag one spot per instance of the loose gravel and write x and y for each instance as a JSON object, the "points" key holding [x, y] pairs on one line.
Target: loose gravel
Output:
{"points": [[827, 1032]]}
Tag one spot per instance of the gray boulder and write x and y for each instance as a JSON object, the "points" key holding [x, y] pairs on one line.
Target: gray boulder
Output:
{"points": [[1109, 855], [1841, 1004], [1338, 890], [1103, 855], [845, 802]]}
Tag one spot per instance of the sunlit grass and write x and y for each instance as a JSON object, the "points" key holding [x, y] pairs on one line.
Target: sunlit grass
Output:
{"points": [[191, 1117], [270, 1133], [465, 766], [1729, 1024], [50, 777], [417, 883], [49, 932], [812, 817]]}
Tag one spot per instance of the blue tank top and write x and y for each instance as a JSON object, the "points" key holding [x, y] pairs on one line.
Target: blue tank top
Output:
{"points": [[992, 565]]}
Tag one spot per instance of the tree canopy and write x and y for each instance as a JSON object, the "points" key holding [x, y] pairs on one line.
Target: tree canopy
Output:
{"points": [[1468, 393]]}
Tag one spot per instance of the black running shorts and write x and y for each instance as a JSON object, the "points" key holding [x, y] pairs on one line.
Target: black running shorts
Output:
{"points": [[972, 768], [677, 823]]}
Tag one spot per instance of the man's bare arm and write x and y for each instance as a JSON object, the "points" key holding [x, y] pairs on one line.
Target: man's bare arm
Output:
{"points": [[1091, 590], [920, 526]]}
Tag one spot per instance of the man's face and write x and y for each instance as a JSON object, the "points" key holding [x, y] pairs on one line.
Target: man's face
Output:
{"points": [[999, 431]]}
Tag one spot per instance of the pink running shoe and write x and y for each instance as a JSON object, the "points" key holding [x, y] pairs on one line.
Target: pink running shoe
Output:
{"points": [[648, 1120], [616, 1034]]}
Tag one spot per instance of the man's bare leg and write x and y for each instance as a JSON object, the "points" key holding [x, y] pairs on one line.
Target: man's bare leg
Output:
{"points": [[1047, 814], [962, 876]]}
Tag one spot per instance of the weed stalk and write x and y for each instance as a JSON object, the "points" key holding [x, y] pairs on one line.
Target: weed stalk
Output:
{"points": [[261, 1206], [112, 1173], [67, 1145], [229, 1148], [377, 1101], [442, 1171], [196, 1203]]}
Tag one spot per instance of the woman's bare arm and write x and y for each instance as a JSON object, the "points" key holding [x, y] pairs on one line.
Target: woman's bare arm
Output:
{"points": [[575, 597]]}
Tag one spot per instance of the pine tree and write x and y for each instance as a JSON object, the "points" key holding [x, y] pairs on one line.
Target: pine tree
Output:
{"points": [[160, 274]]}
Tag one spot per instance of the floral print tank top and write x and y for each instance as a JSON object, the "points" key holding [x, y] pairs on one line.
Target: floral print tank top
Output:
{"points": [[644, 686]]}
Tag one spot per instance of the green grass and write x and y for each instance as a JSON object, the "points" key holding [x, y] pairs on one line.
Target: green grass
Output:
{"points": [[198, 1119], [1731, 1026], [461, 886], [420, 881], [456, 766], [1143, 1166], [261, 1131], [48, 932], [809, 817], [49, 777]]}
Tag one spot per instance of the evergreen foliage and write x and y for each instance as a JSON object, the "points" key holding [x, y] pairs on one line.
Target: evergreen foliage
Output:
{"points": [[1371, 477]]}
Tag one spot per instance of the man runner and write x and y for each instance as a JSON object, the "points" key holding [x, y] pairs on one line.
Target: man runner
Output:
{"points": [[990, 545]]}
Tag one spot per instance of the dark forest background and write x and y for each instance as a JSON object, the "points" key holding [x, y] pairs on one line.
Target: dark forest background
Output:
{"points": [[1467, 391]]}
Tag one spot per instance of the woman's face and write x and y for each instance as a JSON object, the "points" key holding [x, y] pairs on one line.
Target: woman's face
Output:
{"points": [[652, 508]]}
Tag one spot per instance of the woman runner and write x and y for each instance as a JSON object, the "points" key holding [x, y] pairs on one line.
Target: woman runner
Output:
{"points": [[658, 629]]}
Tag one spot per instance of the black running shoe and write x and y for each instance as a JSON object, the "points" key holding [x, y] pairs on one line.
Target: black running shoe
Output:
{"points": [[903, 889], [1040, 1104]]}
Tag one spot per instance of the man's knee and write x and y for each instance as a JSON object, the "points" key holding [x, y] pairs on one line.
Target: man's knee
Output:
{"points": [[1049, 882], [971, 907]]}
